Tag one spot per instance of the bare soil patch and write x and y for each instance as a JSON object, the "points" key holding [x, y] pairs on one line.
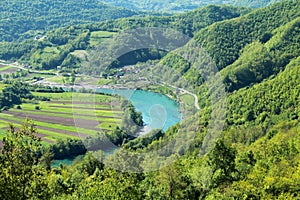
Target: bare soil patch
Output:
{"points": [[88, 124]]}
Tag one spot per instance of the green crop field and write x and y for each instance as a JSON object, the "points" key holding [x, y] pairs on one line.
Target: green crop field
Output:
{"points": [[55, 119], [99, 36], [56, 79]]}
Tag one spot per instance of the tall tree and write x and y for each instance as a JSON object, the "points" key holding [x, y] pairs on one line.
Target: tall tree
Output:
{"points": [[21, 177]]}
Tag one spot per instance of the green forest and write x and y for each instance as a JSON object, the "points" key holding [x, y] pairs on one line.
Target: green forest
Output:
{"points": [[183, 5], [21, 20], [257, 156], [57, 47]]}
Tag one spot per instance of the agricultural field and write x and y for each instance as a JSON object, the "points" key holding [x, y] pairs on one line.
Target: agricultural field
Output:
{"points": [[6, 69], [55, 119]]}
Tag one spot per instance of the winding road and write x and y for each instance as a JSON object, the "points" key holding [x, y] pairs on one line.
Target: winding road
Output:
{"points": [[185, 92]]}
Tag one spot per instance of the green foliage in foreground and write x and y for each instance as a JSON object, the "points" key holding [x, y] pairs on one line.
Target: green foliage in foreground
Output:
{"points": [[268, 168], [23, 171]]}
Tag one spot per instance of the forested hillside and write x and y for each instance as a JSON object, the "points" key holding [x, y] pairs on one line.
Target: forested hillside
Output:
{"points": [[252, 47], [27, 19], [224, 41], [182, 5], [55, 46], [254, 3]]}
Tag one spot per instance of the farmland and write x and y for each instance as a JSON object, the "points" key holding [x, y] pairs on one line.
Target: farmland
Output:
{"points": [[55, 119], [4, 69]]}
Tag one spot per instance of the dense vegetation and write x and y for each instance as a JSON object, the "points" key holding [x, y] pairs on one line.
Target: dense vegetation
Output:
{"points": [[29, 19], [59, 47], [13, 95], [256, 157], [224, 41], [182, 5], [253, 3]]}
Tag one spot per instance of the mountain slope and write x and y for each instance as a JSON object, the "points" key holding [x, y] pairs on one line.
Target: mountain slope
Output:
{"points": [[68, 38], [225, 40], [21, 18], [258, 61], [182, 5], [254, 3]]}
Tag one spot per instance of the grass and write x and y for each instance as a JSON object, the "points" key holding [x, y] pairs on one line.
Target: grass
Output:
{"points": [[49, 134], [187, 99], [2, 86], [31, 75], [52, 50], [107, 126], [80, 53], [77, 113], [59, 127], [4, 68], [98, 36], [56, 79], [69, 96], [48, 52], [2, 134], [103, 81]]}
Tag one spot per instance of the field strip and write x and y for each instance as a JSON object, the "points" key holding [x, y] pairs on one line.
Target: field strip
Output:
{"points": [[114, 117], [55, 125], [82, 103], [45, 135], [69, 97], [90, 124], [4, 67], [83, 108], [104, 107], [72, 110], [49, 131], [79, 105], [64, 115]]}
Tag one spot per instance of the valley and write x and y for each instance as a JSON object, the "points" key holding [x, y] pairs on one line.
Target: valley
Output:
{"points": [[150, 124]]}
